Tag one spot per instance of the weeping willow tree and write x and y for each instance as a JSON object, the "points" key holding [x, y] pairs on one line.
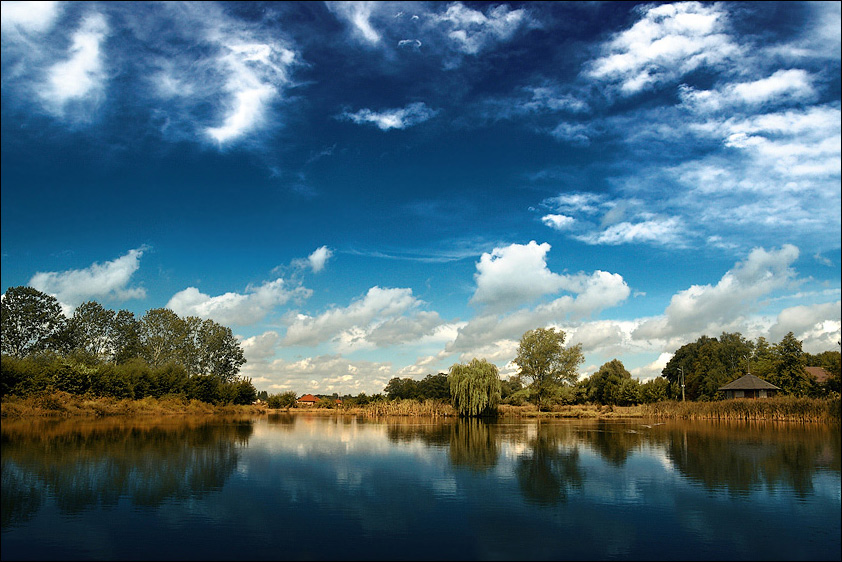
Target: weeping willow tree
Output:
{"points": [[474, 388]]}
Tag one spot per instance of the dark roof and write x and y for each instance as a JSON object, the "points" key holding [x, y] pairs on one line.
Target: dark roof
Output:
{"points": [[820, 374], [749, 382]]}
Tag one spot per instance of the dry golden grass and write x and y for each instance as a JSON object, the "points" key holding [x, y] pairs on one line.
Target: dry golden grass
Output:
{"points": [[779, 408], [784, 408], [63, 404]]}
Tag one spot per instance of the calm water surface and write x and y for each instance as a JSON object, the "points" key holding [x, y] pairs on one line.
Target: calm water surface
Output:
{"points": [[329, 488]]}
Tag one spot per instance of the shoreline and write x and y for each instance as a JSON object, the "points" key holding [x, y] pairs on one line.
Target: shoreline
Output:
{"points": [[64, 405]]}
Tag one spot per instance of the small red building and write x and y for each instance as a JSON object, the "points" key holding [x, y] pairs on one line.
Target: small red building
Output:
{"points": [[818, 373], [307, 400]]}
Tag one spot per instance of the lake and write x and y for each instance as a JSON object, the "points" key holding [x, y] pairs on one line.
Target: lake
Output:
{"points": [[308, 487]]}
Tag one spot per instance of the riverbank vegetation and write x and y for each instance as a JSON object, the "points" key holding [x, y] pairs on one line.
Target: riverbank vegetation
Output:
{"points": [[60, 404], [100, 362], [110, 357]]}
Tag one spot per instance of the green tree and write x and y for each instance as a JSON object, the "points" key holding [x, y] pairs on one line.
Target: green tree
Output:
{"points": [[609, 385], [286, 400], [654, 390], [434, 387], [162, 336], [763, 360], [126, 336], [509, 387], [474, 388], [92, 330], [403, 389], [30, 322], [543, 358], [219, 352], [789, 367]]}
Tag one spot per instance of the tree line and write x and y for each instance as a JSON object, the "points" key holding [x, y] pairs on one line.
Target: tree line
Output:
{"points": [[103, 352], [547, 375]]}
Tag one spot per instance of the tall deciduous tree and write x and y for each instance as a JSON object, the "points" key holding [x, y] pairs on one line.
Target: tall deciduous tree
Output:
{"points": [[613, 385], [31, 321], [219, 352], [92, 330], [474, 388], [126, 337], [162, 336], [543, 358]]}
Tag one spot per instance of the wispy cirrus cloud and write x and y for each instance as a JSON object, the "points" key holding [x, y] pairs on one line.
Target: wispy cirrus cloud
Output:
{"points": [[237, 68], [81, 76], [782, 86], [108, 281], [28, 17], [197, 71], [471, 30], [450, 33], [398, 118], [668, 42], [358, 16]]}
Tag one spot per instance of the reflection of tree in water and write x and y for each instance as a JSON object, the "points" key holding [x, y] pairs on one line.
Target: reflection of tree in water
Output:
{"points": [[86, 464], [613, 441], [473, 444], [744, 457], [548, 474], [285, 420], [436, 433]]}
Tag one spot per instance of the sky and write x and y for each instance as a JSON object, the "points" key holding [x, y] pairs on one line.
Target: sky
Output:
{"points": [[363, 191]]}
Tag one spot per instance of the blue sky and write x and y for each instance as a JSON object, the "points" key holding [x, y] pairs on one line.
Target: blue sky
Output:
{"points": [[370, 190]]}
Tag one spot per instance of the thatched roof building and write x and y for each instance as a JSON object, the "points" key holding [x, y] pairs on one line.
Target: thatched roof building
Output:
{"points": [[749, 386]]}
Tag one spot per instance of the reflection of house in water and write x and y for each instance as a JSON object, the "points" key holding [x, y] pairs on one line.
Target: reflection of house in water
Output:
{"points": [[749, 386]]}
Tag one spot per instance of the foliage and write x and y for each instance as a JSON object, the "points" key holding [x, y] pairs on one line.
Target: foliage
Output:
{"points": [[31, 322], [475, 388], [789, 367], [286, 400], [655, 390], [431, 387], [133, 380], [613, 385], [709, 363], [401, 389], [509, 387], [543, 358]]}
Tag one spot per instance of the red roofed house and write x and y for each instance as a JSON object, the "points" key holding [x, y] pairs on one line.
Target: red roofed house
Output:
{"points": [[308, 400], [818, 373]]}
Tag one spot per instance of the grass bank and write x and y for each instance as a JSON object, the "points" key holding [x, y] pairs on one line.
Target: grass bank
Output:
{"points": [[785, 408], [63, 404]]}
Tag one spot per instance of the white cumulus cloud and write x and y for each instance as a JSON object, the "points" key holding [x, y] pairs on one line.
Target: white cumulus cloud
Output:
{"points": [[319, 258], [106, 281], [239, 309]]}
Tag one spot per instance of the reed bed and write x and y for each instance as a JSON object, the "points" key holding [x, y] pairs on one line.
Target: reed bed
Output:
{"points": [[426, 408], [782, 408]]}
